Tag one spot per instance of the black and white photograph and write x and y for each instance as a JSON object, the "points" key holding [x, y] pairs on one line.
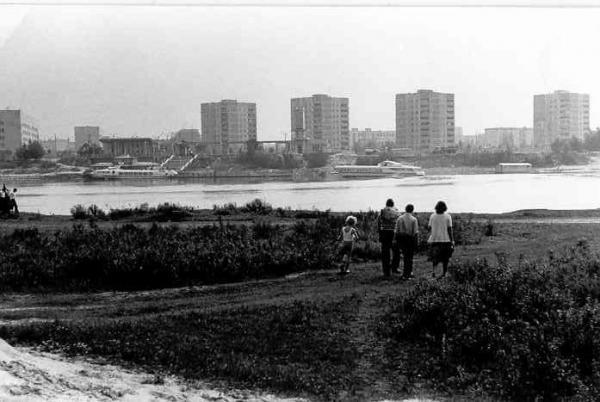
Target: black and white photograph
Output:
{"points": [[299, 200]]}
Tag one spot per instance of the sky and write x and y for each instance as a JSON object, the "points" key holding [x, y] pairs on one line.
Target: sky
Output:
{"points": [[145, 70]]}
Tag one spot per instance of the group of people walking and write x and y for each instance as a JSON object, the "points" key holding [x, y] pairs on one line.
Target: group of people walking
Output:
{"points": [[8, 201], [399, 235]]}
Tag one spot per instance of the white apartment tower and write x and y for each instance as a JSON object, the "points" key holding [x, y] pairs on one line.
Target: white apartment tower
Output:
{"points": [[320, 123], [560, 115], [227, 126], [425, 120]]}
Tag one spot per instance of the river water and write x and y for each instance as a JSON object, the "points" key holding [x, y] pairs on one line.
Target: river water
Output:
{"points": [[578, 188]]}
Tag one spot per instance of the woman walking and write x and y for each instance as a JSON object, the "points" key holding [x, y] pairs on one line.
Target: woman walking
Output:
{"points": [[441, 239]]}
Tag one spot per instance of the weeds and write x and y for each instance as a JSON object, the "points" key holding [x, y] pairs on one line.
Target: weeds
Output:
{"points": [[522, 332]]}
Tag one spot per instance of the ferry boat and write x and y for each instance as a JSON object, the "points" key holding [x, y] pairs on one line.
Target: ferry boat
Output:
{"points": [[382, 169], [140, 170]]}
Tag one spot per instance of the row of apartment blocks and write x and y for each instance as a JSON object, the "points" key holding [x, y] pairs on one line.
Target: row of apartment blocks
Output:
{"points": [[425, 122]]}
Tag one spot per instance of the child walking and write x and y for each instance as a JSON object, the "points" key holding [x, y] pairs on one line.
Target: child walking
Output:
{"points": [[348, 236]]}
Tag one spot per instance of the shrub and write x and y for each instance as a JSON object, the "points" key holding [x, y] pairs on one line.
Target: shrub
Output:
{"points": [[257, 206], [524, 332], [79, 212], [96, 212]]}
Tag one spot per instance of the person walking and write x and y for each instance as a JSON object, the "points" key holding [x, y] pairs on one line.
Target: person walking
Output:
{"points": [[348, 236], [441, 239], [386, 225], [407, 236]]}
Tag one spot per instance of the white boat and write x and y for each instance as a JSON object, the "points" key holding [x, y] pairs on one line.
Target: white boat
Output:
{"points": [[382, 169], [139, 170]]}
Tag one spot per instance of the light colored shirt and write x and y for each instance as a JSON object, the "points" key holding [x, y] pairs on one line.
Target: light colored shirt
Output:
{"points": [[349, 233], [407, 225], [439, 224]]}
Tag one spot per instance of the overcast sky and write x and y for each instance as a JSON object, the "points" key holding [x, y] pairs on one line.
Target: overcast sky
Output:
{"points": [[146, 70]]}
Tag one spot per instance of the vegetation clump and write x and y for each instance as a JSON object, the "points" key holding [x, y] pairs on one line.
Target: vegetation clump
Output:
{"points": [[522, 331]]}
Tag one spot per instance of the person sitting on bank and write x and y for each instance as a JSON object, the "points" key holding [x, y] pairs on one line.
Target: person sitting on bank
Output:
{"points": [[441, 239], [12, 199], [407, 237], [386, 225]]}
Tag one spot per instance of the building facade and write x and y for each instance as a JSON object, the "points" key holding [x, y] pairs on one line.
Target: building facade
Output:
{"points": [[86, 135], [425, 120], [320, 123], [143, 148], [16, 129], [514, 138], [560, 115], [372, 138], [227, 126]]}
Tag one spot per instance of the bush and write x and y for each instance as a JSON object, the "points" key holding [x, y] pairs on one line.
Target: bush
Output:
{"points": [[526, 332], [316, 159], [96, 212], [79, 212], [257, 206]]}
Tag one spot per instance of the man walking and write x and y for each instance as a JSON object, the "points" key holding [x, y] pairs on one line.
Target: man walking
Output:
{"points": [[407, 235], [386, 224]]}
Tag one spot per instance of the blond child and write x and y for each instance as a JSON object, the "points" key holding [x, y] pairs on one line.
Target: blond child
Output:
{"points": [[348, 236]]}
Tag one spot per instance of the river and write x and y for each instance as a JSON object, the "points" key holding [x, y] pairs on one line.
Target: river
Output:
{"points": [[578, 188]]}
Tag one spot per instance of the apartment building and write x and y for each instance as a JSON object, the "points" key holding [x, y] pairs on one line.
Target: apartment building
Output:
{"points": [[425, 120], [16, 129], [228, 125], [560, 115], [320, 123], [86, 135]]}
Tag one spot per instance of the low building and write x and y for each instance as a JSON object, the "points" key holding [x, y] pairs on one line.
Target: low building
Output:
{"points": [[143, 148], [86, 135], [514, 138], [16, 129], [372, 138]]}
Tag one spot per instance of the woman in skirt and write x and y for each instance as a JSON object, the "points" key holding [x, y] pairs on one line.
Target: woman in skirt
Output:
{"points": [[441, 239]]}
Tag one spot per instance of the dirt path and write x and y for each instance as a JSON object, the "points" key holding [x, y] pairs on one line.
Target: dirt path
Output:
{"points": [[27, 375]]}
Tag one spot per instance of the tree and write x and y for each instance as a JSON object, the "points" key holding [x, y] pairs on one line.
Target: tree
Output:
{"points": [[33, 150], [88, 150], [316, 159]]}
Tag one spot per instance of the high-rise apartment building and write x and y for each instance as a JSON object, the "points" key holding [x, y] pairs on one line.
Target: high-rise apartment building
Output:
{"points": [[86, 135], [227, 126], [560, 115], [425, 120], [16, 129], [320, 123]]}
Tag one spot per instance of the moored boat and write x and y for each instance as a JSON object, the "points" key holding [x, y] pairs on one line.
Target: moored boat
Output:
{"points": [[140, 170], [382, 169]]}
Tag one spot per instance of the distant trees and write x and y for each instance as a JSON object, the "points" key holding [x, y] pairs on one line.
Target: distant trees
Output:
{"points": [[592, 141], [316, 159], [32, 150], [88, 150]]}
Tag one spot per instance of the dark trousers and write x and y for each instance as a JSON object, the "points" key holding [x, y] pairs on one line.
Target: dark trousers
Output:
{"points": [[408, 245], [389, 252]]}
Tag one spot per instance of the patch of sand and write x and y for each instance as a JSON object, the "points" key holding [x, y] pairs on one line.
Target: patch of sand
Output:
{"points": [[27, 375]]}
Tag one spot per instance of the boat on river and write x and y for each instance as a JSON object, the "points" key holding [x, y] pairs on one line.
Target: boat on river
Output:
{"points": [[382, 169], [138, 170]]}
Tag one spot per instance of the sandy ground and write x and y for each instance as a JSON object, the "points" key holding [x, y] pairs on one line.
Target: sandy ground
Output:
{"points": [[27, 375]]}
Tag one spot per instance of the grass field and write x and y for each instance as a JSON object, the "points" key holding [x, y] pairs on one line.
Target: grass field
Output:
{"points": [[312, 333]]}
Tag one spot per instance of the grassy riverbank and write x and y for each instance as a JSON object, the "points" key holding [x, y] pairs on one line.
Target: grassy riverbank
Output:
{"points": [[517, 314]]}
